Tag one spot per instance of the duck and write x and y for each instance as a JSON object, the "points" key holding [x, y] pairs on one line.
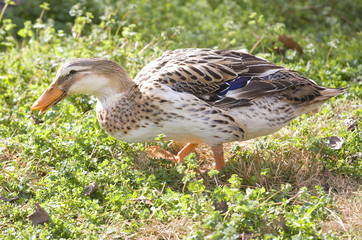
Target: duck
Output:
{"points": [[193, 96]]}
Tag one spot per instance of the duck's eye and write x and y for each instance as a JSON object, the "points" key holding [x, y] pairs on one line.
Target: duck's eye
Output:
{"points": [[72, 71]]}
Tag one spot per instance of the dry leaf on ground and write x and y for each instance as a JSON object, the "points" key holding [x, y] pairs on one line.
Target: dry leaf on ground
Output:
{"points": [[351, 123], [39, 216], [90, 188], [221, 206], [142, 199], [334, 142], [5, 199], [290, 43]]}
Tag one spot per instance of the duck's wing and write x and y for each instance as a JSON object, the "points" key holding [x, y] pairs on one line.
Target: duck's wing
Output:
{"points": [[224, 78]]}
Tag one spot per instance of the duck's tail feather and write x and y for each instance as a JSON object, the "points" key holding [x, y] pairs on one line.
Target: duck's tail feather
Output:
{"points": [[323, 96], [332, 92]]}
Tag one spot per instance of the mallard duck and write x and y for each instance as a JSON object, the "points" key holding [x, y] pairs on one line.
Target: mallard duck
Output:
{"points": [[190, 95]]}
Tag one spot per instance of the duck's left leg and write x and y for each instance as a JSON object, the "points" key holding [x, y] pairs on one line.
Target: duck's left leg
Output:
{"points": [[158, 152], [218, 152]]}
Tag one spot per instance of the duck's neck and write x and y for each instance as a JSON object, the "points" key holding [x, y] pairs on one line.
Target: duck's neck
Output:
{"points": [[112, 88], [124, 102], [113, 83]]}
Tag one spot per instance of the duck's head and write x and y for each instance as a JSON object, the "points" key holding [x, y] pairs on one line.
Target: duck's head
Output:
{"points": [[92, 76]]}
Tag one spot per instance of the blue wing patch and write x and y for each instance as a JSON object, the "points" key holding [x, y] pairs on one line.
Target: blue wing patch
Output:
{"points": [[236, 83]]}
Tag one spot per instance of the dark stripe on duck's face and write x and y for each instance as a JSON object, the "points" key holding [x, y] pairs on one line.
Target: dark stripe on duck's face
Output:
{"points": [[72, 73]]}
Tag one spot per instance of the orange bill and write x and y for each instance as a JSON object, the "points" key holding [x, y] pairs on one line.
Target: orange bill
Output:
{"points": [[48, 99]]}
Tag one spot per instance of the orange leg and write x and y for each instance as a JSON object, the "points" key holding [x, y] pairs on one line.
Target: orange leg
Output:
{"points": [[157, 152], [219, 156]]}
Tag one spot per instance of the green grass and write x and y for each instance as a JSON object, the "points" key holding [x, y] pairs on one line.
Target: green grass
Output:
{"points": [[287, 185]]}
